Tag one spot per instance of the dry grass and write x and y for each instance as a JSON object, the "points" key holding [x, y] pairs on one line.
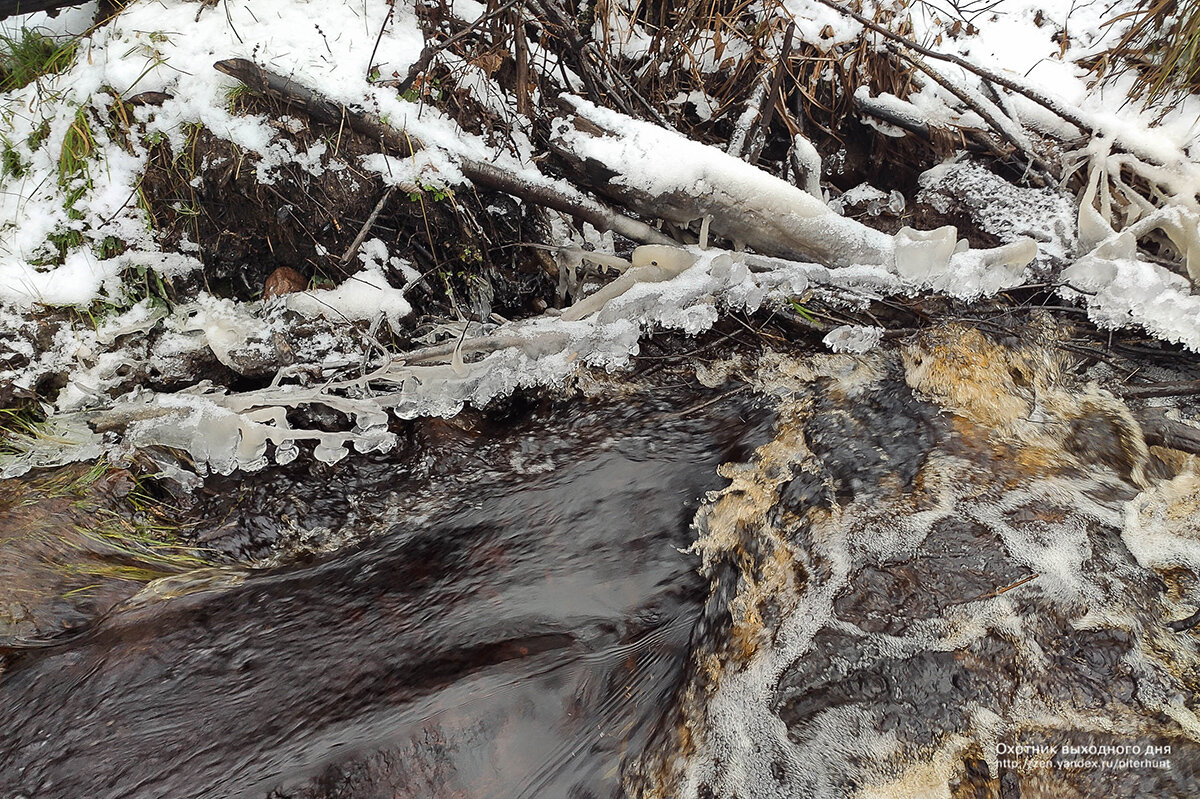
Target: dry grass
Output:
{"points": [[1163, 45]]}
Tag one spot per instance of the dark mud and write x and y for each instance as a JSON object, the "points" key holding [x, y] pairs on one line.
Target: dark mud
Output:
{"points": [[205, 197]]}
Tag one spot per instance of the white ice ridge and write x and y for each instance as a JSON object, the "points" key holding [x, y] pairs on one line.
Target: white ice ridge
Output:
{"points": [[1118, 287]]}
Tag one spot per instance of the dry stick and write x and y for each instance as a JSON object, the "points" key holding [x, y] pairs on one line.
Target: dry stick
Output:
{"points": [[767, 113], [430, 50], [1170, 389], [1035, 162], [378, 39], [983, 72], [549, 12], [567, 199], [629, 87], [352, 250], [550, 8], [522, 59]]}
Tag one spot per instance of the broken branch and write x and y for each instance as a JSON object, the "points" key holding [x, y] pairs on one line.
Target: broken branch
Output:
{"points": [[565, 199]]}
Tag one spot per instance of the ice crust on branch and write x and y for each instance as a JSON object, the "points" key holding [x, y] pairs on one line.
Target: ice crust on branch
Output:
{"points": [[683, 289], [771, 216]]}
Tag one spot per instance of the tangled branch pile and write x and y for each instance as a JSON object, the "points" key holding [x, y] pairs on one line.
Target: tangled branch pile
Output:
{"points": [[346, 212]]}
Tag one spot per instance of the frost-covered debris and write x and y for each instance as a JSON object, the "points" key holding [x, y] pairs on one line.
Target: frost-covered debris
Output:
{"points": [[78, 232], [1120, 290], [222, 431], [363, 296], [1002, 209], [856, 339], [865, 197]]}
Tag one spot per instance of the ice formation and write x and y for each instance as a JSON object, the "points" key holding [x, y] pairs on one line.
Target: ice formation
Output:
{"points": [[143, 49]]}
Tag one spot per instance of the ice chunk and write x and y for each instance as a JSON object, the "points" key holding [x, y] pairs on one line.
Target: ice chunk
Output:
{"points": [[855, 339], [921, 255]]}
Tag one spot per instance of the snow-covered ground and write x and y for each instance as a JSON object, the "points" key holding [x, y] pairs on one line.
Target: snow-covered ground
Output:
{"points": [[1141, 165]]}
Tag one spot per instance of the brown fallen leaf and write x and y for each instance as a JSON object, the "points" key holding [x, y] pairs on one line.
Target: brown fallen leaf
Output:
{"points": [[283, 280]]}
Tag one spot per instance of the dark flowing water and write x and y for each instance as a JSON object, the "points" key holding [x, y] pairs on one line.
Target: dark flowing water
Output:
{"points": [[516, 635], [909, 565]]}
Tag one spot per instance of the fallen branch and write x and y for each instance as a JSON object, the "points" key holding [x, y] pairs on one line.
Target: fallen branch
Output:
{"points": [[11, 8], [1160, 431], [565, 199], [1182, 388], [747, 205], [623, 159], [991, 116]]}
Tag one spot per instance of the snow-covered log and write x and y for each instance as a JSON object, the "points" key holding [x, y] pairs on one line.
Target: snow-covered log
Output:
{"points": [[528, 185], [658, 173]]}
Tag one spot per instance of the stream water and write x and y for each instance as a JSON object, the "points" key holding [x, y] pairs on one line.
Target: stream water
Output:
{"points": [[827, 576], [515, 630]]}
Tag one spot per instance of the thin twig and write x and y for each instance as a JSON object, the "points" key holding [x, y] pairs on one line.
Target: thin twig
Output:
{"points": [[1009, 587], [686, 412], [995, 77], [427, 54], [378, 39], [521, 51], [352, 250]]}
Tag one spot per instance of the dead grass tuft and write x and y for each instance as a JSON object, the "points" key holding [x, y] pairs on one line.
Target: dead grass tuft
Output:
{"points": [[1162, 45]]}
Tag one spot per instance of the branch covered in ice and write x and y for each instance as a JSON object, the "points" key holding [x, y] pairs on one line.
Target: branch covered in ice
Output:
{"points": [[658, 172]]}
